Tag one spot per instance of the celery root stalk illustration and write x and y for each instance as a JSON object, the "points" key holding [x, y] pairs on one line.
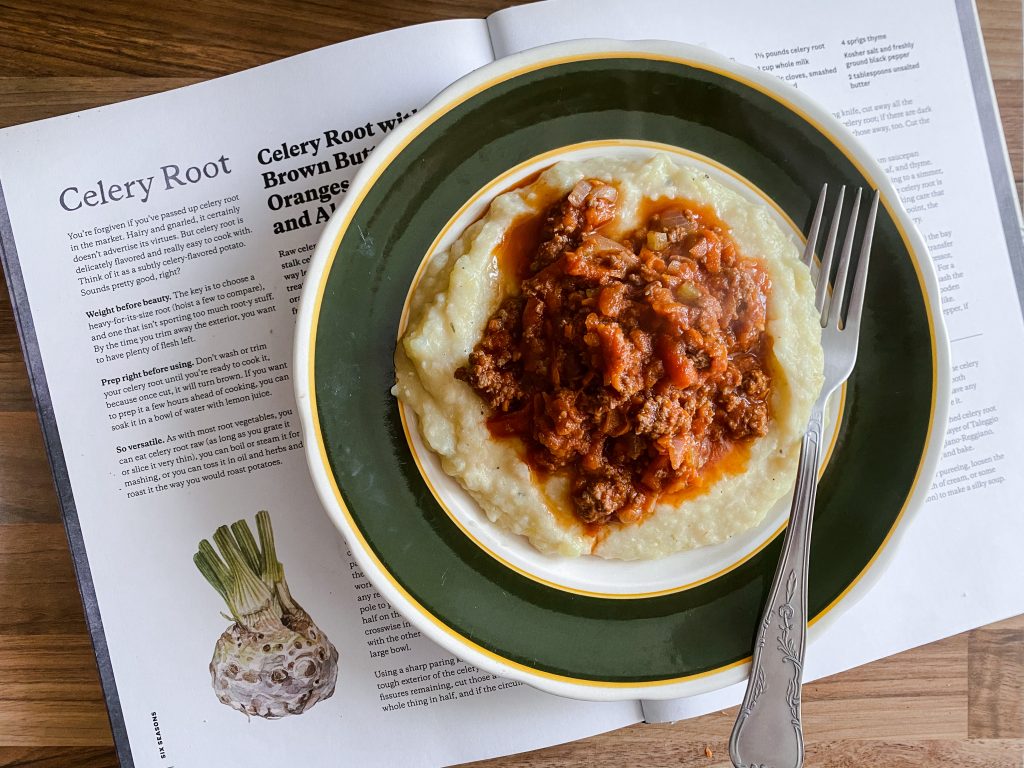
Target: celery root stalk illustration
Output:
{"points": [[273, 661]]}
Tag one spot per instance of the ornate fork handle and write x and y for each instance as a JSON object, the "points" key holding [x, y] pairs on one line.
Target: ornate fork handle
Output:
{"points": [[768, 731]]}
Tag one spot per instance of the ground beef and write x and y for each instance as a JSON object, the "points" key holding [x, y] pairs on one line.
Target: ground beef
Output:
{"points": [[494, 361], [632, 365]]}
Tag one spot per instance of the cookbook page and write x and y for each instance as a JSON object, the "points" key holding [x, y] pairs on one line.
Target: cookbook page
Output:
{"points": [[156, 250], [905, 78]]}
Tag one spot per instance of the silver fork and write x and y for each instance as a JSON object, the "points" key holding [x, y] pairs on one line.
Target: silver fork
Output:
{"points": [[768, 731]]}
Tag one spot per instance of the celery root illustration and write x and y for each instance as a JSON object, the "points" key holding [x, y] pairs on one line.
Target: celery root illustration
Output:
{"points": [[274, 661]]}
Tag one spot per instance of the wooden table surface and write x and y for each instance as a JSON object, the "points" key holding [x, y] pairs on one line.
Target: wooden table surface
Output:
{"points": [[958, 702]]}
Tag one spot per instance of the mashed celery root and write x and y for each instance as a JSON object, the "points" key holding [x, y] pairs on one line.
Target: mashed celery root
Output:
{"points": [[463, 287]]}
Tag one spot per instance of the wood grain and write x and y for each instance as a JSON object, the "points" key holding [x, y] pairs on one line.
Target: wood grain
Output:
{"points": [[58, 757], [1004, 43], [26, 495], [33, 98], [51, 692], [15, 394], [996, 681], [123, 37], [38, 591], [958, 702]]}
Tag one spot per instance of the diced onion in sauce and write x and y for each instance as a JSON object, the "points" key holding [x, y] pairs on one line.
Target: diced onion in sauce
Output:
{"points": [[579, 192], [657, 241], [688, 292]]}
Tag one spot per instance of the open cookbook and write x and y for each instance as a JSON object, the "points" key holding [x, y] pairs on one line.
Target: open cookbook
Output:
{"points": [[155, 252]]}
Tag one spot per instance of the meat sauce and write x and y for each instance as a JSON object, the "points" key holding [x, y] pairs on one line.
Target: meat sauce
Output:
{"points": [[635, 365]]}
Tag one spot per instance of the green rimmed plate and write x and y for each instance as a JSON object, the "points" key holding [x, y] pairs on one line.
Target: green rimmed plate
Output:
{"points": [[654, 643]]}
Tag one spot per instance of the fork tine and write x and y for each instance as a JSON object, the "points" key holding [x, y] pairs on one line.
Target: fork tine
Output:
{"points": [[861, 278], [812, 236], [836, 306], [826, 256]]}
